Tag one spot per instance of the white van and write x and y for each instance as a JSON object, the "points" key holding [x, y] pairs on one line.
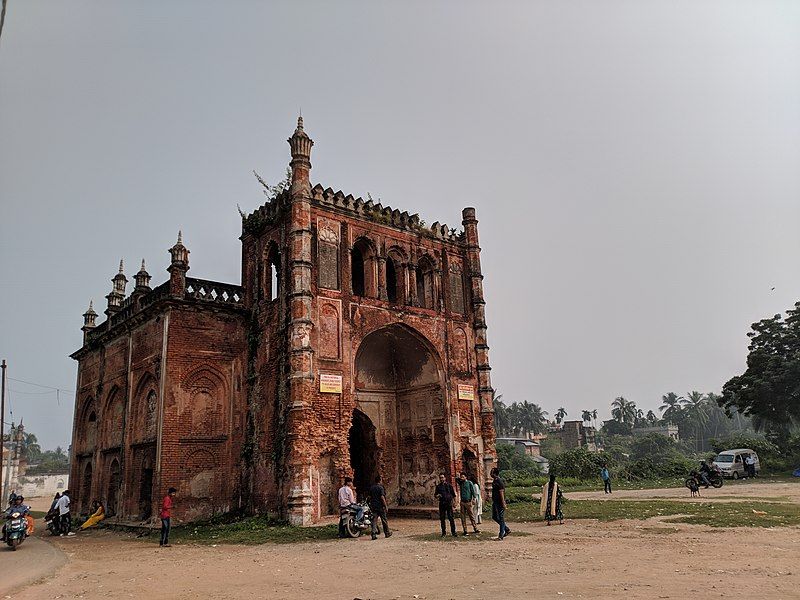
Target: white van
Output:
{"points": [[731, 462]]}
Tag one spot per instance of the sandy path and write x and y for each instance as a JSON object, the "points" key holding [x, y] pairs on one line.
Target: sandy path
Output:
{"points": [[582, 559]]}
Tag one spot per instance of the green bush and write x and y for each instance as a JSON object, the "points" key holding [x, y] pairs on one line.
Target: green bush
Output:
{"points": [[578, 463]]}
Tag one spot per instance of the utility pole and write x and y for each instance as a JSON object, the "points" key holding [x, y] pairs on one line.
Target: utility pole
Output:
{"points": [[2, 418]]}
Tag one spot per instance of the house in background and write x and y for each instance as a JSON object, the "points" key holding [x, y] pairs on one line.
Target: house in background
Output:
{"points": [[670, 431]]}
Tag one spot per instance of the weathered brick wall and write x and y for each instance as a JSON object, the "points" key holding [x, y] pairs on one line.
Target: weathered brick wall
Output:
{"points": [[204, 411]]}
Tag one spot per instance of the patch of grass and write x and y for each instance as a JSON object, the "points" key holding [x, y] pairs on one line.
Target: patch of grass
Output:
{"points": [[715, 514], [250, 530], [37, 514]]}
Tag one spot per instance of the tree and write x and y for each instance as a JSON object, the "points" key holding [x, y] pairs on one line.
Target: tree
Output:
{"points": [[769, 388], [560, 414], [586, 415], [651, 418], [502, 422], [697, 414], [30, 448], [594, 417], [624, 411], [672, 408]]}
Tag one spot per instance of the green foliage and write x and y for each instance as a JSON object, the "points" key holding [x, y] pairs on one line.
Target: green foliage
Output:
{"points": [[50, 461], [770, 386], [550, 447], [518, 418], [516, 468], [652, 445], [578, 463]]}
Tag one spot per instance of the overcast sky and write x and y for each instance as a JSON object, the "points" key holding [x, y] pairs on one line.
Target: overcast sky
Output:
{"points": [[634, 166]]}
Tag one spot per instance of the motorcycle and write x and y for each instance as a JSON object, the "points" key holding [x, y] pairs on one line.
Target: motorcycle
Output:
{"points": [[51, 522], [348, 524], [714, 479], [16, 530]]}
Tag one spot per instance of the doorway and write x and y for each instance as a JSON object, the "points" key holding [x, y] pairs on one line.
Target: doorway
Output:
{"points": [[146, 492], [363, 453]]}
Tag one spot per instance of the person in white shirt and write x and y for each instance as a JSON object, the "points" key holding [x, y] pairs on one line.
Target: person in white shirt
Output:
{"points": [[478, 504], [64, 517], [347, 498]]}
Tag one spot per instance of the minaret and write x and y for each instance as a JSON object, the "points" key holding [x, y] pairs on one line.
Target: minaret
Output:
{"points": [[88, 321], [177, 268], [301, 374], [485, 391], [142, 279], [117, 294]]}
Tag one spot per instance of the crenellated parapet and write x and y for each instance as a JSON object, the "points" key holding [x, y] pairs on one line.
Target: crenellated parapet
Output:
{"points": [[368, 210]]}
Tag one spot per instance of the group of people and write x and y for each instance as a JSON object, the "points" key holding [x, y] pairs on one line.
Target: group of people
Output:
{"points": [[469, 495]]}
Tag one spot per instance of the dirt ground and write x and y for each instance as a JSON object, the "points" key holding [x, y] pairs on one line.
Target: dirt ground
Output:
{"points": [[581, 559]]}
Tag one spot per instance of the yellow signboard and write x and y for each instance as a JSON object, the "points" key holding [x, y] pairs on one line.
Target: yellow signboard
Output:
{"points": [[466, 392], [330, 384]]}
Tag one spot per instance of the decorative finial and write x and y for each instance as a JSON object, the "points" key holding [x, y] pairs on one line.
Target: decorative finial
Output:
{"points": [[91, 304], [300, 122], [179, 236], [121, 267], [143, 269]]}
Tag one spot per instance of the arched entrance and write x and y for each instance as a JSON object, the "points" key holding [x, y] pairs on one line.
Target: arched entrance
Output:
{"points": [[400, 395], [146, 489], [363, 453]]}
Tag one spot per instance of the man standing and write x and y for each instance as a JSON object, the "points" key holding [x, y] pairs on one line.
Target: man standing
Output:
{"points": [[446, 495], [467, 495], [166, 514], [606, 476], [499, 503], [379, 508], [750, 465], [64, 516]]}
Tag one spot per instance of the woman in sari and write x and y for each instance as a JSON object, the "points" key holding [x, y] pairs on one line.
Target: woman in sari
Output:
{"points": [[98, 515], [551, 501]]}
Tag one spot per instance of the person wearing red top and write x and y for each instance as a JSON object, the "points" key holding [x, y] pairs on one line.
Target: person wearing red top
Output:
{"points": [[166, 513]]}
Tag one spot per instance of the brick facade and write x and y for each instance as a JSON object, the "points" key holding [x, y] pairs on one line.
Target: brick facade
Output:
{"points": [[215, 388]]}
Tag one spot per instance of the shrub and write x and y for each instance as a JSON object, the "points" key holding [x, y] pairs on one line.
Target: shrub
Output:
{"points": [[578, 463]]}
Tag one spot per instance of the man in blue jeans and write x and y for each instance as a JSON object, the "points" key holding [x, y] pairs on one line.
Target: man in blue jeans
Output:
{"points": [[499, 503], [166, 515]]}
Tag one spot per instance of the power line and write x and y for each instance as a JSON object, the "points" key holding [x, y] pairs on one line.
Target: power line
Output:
{"points": [[41, 385]]}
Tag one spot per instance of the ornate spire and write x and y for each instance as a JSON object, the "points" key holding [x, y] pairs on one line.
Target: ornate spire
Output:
{"points": [[89, 317], [142, 279], [119, 280], [300, 145], [179, 253]]}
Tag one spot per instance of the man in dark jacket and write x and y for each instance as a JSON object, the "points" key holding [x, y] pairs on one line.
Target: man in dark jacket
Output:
{"points": [[446, 495], [378, 506]]}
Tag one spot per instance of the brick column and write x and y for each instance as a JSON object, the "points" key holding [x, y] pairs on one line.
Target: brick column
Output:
{"points": [[485, 391], [301, 375]]}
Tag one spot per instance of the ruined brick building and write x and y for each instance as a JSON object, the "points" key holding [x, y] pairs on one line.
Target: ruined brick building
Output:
{"points": [[356, 344]]}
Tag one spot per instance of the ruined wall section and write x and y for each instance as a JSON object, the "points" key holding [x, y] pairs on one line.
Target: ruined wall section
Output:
{"points": [[204, 410]]}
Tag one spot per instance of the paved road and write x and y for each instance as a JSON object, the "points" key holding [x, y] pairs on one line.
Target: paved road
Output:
{"points": [[35, 559]]}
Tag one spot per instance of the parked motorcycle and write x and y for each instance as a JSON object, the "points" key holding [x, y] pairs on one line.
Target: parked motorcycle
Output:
{"points": [[714, 479], [16, 530], [348, 524]]}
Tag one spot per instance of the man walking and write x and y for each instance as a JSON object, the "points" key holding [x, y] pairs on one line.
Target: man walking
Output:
{"points": [[499, 503], [606, 476], [446, 495], [379, 508], [64, 516], [166, 515], [467, 495]]}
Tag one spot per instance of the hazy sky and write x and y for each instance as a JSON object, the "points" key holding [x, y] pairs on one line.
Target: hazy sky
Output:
{"points": [[634, 166]]}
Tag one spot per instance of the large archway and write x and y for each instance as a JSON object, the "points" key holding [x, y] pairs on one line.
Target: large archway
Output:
{"points": [[399, 391]]}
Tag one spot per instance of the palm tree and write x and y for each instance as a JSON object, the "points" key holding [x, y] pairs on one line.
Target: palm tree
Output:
{"points": [[594, 417], [560, 414], [586, 415], [697, 412], [651, 418], [671, 408], [502, 422], [624, 411], [531, 418], [30, 448]]}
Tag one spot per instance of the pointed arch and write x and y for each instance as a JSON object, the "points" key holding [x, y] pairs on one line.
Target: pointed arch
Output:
{"points": [[363, 276], [426, 288]]}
